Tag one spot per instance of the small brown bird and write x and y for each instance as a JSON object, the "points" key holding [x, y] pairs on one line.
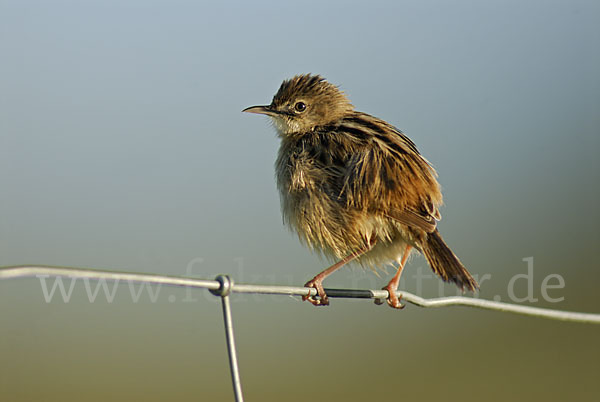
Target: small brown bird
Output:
{"points": [[355, 187]]}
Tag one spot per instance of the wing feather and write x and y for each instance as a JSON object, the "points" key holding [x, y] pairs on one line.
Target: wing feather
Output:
{"points": [[401, 184]]}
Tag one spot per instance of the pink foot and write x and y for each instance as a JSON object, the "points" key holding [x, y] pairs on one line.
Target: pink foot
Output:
{"points": [[323, 300], [393, 300]]}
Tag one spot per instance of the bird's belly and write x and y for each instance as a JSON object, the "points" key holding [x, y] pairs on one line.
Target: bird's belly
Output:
{"points": [[336, 230]]}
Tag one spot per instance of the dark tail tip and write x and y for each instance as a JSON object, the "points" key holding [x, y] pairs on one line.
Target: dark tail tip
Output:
{"points": [[446, 264]]}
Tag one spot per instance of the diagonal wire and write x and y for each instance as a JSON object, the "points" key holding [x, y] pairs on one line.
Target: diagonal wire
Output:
{"points": [[38, 270], [225, 286]]}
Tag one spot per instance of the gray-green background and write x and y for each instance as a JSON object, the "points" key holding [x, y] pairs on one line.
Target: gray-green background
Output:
{"points": [[122, 147]]}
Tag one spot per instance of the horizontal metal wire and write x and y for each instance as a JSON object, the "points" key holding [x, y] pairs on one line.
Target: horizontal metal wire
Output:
{"points": [[29, 271]]}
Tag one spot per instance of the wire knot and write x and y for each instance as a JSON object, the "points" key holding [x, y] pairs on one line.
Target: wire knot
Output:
{"points": [[226, 283]]}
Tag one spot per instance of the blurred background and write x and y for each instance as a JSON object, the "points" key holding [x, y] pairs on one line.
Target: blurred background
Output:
{"points": [[122, 147]]}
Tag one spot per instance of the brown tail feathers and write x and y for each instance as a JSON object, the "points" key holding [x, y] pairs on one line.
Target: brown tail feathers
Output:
{"points": [[445, 263]]}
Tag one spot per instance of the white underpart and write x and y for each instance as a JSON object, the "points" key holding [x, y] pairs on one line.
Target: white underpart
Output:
{"points": [[282, 125]]}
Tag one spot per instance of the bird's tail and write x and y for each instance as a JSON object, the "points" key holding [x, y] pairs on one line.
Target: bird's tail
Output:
{"points": [[445, 263]]}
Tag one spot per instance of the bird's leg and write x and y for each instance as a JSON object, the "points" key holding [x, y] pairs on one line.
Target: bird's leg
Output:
{"points": [[393, 300], [317, 281]]}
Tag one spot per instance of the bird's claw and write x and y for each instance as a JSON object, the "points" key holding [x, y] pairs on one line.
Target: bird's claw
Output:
{"points": [[323, 300], [392, 300]]}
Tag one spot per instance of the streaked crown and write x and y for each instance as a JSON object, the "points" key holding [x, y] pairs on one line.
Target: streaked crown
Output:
{"points": [[303, 103]]}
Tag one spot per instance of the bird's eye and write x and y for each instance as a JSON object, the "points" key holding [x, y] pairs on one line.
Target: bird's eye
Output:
{"points": [[300, 107]]}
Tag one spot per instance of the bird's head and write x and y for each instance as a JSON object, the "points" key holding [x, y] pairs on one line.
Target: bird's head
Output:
{"points": [[303, 103]]}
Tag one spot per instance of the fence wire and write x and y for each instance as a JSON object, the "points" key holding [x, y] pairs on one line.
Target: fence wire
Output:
{"points": [[214, 285], [223, 286]]}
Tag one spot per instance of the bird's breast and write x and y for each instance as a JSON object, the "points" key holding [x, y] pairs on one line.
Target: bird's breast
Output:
{"points": [[311, 207]]}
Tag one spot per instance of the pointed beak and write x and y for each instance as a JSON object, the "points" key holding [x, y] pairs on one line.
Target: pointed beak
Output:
{"points": [[261, 110]]}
